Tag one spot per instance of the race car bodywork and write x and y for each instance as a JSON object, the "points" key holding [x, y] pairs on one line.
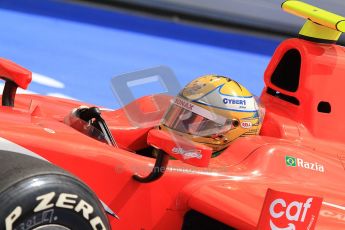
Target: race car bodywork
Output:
{"points": [[300, 151]]}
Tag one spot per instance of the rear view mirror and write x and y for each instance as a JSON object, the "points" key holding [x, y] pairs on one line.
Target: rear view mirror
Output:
{"points": [[180, 148]]}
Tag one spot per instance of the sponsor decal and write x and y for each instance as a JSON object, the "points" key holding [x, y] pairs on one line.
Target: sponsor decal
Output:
{"points": [[234, 101], [200, 111], [65, 201], [333, 215], [288, 211], [229, 102], [246, 124], [187, 154], [298, 162], [184, 104]]}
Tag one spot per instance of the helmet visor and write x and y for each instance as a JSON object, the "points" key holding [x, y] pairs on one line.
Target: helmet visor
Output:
{"points": [[186, 117]]}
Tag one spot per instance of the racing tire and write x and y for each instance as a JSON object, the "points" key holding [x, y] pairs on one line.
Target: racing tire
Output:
{"points": [[36, 195]]}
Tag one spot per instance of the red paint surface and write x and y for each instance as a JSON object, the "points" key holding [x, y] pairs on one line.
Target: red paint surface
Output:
{"points": [[233, 187]]}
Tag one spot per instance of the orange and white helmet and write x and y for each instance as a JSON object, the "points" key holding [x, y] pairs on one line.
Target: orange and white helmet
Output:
{"points": [[213, 110]]}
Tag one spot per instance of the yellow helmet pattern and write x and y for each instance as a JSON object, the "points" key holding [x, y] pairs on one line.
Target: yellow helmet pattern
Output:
{"points": [[213, 110]]}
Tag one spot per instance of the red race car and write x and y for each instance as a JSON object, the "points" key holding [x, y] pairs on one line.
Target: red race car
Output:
{"points": [[70, 165]]}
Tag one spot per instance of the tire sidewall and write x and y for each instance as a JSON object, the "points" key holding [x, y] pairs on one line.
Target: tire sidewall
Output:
{"points": [[51, 199]]}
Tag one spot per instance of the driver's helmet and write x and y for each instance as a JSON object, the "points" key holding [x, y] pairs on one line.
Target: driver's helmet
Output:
{"points": [[213, 110]]}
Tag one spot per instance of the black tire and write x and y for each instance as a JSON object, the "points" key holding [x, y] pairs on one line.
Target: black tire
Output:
{"points": [[37, 195]]}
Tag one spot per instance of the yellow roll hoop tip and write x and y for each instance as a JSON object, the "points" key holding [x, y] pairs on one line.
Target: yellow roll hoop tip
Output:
{"points": [[320, 24]]}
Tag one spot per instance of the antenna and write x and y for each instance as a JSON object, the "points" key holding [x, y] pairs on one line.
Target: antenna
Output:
{"points": [[321, 25]]}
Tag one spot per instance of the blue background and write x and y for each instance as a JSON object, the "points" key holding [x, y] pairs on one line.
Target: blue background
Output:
{"points": [[83, 47]]}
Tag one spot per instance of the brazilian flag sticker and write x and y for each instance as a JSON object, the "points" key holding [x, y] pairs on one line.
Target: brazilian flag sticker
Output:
{"points": [[290, 161]]}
